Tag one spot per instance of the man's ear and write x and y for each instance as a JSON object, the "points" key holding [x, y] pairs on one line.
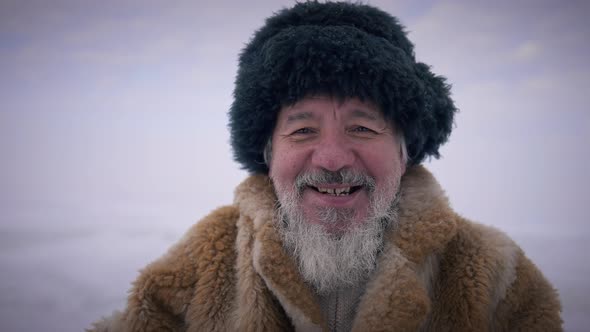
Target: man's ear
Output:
{"points": [[404, 161], [270, 168]]}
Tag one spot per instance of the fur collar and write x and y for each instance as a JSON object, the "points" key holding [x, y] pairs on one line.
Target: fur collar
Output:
{"points": [[399, 291]]}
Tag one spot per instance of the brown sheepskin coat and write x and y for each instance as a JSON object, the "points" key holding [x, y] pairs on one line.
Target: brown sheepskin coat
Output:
{"points": [[437, 272]]}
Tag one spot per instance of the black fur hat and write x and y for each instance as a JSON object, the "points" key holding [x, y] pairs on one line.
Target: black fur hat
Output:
{"points": [[342, 50]]}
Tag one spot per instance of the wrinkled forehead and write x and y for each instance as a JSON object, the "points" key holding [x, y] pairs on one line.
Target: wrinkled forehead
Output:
{"points": [[311, 106], [337, 99]]}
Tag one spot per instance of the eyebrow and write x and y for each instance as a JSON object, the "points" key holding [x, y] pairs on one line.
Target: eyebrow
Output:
{"points": [[357, 113], [364, 114], [299, 116]]}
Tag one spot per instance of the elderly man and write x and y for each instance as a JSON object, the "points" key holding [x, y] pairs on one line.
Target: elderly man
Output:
{"points": [[338, 228]]}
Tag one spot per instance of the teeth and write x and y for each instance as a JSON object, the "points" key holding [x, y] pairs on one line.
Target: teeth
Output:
{"points": [[335, 191]]}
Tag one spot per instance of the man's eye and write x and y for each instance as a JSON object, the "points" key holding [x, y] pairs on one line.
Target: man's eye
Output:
{"points": [[303, 131], [362, 129]]}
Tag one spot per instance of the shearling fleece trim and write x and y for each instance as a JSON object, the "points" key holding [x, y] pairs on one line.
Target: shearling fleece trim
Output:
{"points": [[428, 272], [282, 276], [395, 300], [256, 307], [398, 298], [426, 223], [256, 198]]}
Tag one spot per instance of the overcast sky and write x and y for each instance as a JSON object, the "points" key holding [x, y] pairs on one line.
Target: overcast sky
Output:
{"points": [[114, 140]]}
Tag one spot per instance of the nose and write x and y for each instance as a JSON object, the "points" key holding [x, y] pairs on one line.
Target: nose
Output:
{"points": [[333, 153]]}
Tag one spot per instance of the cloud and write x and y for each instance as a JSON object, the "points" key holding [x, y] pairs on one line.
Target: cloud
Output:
{"points": [[479, 40], [527, 50]]}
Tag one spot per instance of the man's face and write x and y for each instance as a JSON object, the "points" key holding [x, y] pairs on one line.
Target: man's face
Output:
{"points": [[340, 161]]}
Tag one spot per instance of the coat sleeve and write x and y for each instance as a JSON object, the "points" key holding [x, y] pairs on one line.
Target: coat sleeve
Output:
{"points": [[165, 289], [530, 303]]}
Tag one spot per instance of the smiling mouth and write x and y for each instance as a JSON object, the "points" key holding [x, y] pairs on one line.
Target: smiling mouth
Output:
{"points": [[344, 191]]}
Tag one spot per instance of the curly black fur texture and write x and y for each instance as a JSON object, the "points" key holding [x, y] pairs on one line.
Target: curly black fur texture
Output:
{"points": [[342, 50]]}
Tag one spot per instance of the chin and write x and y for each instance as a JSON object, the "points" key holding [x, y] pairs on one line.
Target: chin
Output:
{"points": [[338, 222], [336, 248]]}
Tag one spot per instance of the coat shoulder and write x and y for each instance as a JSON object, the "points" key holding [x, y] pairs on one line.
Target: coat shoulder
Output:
{"points": [[210, 239], [496, 283], [486, 248], [163, 292]]}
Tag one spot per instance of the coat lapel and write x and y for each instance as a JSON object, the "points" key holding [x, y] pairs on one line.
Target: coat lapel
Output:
{"points": [[398, 296], [395, 299], [265, 271], [281, 274]]}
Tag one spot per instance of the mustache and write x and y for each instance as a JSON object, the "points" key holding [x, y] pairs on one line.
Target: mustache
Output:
{"points": [[344, 176]]}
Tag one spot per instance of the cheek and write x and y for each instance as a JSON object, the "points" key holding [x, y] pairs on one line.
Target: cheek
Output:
{"points": [[383, 166], [286, 164]]}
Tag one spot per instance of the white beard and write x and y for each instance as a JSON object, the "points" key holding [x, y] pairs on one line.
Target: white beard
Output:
{"points": [[327, 261]]}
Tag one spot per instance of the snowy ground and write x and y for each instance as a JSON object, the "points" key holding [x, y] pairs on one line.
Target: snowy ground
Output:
{"points": [[62, 281]]}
